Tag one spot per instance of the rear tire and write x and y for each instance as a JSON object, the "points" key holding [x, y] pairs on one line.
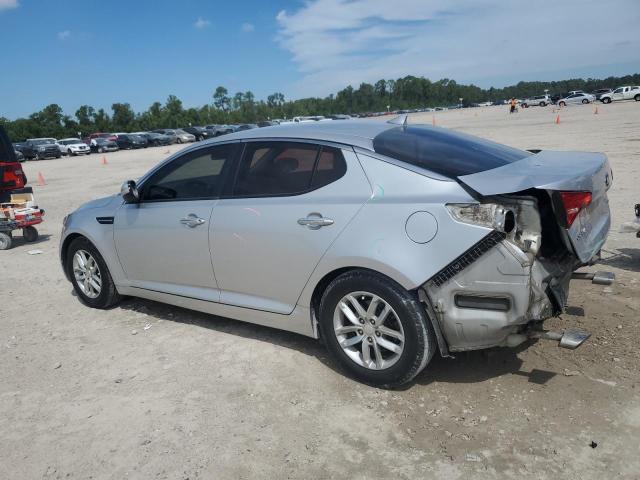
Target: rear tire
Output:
{"points": [[107, 296], [585, 101], [5, 241], [637, 98], [30, 234], [374, 352]]}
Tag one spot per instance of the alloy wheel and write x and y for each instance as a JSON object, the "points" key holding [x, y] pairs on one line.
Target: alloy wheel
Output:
{"points": [[368, 330], [87, 274]]}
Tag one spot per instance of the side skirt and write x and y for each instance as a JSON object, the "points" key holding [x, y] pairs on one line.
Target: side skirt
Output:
{"points": [[299, 321]]}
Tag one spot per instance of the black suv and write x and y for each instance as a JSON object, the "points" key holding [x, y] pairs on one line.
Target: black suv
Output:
{"points": [[127, 142], [40, 148]]}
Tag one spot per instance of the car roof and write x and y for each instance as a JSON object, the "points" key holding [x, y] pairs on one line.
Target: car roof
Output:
{"points": [[358, 133]]}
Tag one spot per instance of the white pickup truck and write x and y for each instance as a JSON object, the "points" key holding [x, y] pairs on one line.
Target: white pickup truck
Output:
{"points": [[622, 93]]}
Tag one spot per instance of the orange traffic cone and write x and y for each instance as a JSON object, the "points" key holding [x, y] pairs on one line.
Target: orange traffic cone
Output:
{"points": [[433, 120], [104, 160], [558, 120], [41, 181]]}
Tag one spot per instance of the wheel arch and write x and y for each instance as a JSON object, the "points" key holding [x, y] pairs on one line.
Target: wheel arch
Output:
{"points": [[420, 295], [64, 251]]}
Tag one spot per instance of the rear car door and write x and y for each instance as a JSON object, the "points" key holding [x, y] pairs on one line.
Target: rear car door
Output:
{"points": [[163, 241], [289, 202]]}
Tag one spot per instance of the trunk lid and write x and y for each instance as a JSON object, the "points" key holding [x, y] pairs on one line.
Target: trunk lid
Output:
{"points": [[558, 172]]}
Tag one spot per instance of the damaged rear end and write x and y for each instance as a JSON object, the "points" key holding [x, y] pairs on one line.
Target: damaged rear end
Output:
{"points": [[546, 216]]}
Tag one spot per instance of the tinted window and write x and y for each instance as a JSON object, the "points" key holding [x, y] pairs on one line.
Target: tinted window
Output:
{"points": [[330, 167], [194, 175], [445, 152], [275, 168]]}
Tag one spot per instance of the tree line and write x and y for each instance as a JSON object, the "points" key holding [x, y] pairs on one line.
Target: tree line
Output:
{"points": [[404, 93]]}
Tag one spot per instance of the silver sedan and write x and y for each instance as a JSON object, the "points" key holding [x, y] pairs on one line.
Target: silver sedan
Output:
{"points": [[577, 98], [388, 241]]}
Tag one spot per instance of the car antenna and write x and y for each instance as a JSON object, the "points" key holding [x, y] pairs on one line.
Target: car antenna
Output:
{"points": [[399, 120]]}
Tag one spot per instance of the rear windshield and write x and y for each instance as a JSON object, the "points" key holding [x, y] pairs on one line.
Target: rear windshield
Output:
{"points": [[446, 152]]}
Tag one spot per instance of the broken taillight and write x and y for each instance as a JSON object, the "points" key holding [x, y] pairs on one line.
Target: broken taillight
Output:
{"points": [[573, 202]]}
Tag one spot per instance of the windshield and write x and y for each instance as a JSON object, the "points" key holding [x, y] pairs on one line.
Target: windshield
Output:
{"points": [[446, 152]]}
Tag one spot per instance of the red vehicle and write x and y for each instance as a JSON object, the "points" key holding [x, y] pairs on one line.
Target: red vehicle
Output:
{"points": [[108, 136], [11, 175], [13, 216]]}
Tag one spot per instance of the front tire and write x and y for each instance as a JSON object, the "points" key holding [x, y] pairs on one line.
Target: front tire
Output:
{"points": [[379, 332], [585, 101], [606, 100], [90, 276]]}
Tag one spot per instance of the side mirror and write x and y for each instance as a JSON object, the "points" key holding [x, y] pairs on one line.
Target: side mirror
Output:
{"points": [[129, 192]]}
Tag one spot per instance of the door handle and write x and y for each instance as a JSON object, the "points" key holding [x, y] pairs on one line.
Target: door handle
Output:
{"points": [[192, 220], [314, 221]]}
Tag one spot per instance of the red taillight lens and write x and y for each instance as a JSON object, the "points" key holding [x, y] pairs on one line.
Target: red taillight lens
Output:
{"points": [[574, 202]]}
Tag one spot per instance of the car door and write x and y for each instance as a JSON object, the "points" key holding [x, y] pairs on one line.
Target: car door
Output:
{"points": [[163, 241], [618, 94], [289, 202]]}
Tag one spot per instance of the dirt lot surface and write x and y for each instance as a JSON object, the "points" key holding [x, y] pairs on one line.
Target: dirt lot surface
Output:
{"points": [[151, 391]]}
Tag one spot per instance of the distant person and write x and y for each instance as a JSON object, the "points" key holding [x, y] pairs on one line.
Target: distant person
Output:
{"points": [[514, 104]]}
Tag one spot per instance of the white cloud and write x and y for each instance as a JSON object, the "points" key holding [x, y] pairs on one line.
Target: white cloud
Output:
{"points": [[248, 27], [8, 4], [64, 34], [339, 42], [202, 23]]}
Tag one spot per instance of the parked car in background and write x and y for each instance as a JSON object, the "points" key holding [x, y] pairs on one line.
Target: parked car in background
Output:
{"points": [[19, 156], [601, 91], [109, 136], [156, 139], [200, 133], [246, 126], [576, 98], [266, 123], [622, 93], [184, 137], [73, 146], [490, 237], [169, 133], [220, 129], [538, 100], [41, 148], [103, 145], [129, 141]]}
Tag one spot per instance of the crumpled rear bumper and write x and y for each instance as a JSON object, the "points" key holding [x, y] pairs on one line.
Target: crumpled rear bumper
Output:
{"points": [[496, 294]]}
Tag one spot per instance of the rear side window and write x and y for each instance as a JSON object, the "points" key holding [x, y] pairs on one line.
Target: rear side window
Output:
{"points": [[445, 152], [286, 168], [330, 167]]}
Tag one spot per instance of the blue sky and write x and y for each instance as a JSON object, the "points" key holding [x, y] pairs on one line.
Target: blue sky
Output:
{"points": [[77, 52]]}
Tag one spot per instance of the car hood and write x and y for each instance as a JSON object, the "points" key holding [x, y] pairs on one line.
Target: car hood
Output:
{"points": [[112, 200]]}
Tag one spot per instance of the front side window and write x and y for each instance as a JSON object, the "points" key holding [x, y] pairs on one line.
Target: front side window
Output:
{"points": [[196, 175]]}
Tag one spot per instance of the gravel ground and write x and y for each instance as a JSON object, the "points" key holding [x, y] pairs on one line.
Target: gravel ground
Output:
{"points": [[151, 391]]}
